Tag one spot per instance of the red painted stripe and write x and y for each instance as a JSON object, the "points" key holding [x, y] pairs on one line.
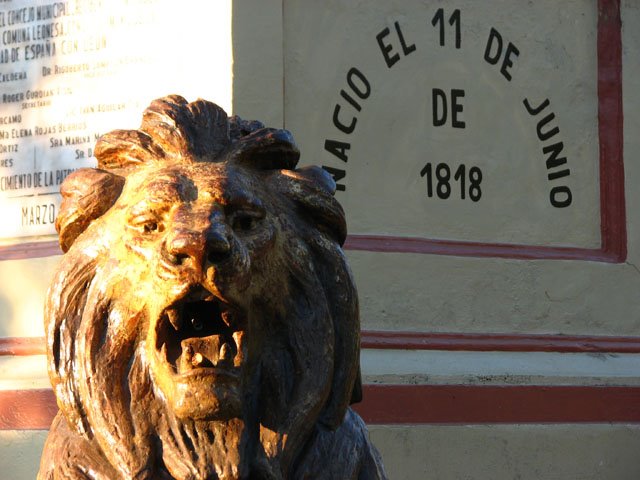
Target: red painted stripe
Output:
{"points": [[388, 243], [482, 342], [455, 404], [23, 250], [27, 409], [613, 222], [22, 346], [418, 404], [472, 342]]}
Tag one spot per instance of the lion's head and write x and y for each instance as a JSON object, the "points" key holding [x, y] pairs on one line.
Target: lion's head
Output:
{"points": [[204, 320]]}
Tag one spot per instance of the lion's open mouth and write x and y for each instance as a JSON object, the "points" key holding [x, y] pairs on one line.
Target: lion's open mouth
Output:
{"points": [[201, 334]]}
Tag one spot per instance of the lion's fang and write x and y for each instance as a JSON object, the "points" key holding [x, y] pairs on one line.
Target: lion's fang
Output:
{"points": [[163, 351], [226, 354], [188, 353], [197, 359]]}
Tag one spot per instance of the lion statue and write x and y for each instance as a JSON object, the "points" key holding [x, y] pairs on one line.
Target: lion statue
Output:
{"points": [[203, 323]]}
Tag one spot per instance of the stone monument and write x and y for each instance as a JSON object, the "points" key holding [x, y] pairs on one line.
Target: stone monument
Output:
{"points": [[203, 322]]}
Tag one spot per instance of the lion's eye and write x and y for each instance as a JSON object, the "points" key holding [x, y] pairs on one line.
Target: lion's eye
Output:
{"points": [[146, 224], [150, 227], [245, 221]]}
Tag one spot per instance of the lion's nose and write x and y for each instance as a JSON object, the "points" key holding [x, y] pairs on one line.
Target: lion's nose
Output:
{"points": [[218, 246], [211, 245]]}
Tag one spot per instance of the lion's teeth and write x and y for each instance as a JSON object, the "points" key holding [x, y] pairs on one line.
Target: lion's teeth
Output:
{"points": [[197, 359], [227, 317], [163, 351], [226, 355], [238, 338], [188, 353], [175, 318]]}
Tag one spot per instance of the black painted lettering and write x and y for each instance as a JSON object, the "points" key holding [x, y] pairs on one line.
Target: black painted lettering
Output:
{"points": [[439, 99], [538, 109], [339, 149], [337, 175], [350, 99], [508, 62], [559, 174], [461, 177], [493, 53], [553, 160], [440, 107], [405, 49], [560, 196], [456, 108], [341, 126], [428, 171], [543, 136], [494, 38], [442, 187], [454, 19], [438, 18], [364, 89], [475, 178], [359, 86], [386, 48]]}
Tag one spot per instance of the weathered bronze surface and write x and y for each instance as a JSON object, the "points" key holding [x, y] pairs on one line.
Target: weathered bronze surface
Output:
{"points": [[203, 323]]}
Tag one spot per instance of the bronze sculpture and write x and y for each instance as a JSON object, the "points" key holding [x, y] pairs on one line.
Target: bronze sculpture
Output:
{"points": [[203, 323]]}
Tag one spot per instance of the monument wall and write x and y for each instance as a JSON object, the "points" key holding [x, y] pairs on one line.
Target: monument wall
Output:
{"points": [[483, 152]]}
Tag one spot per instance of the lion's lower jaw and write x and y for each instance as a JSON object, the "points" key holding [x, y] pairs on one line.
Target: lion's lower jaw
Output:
{"points": [[204, 450]]}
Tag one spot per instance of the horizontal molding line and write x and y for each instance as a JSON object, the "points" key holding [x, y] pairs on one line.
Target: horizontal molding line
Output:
{"points": [[27, 409], [489, 342], [22, 346], [457, 404], [472, 342], [24, 250], [395, 244], [418, 404]]}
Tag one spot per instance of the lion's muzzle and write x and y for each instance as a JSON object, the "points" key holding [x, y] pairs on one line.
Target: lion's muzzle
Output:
{"points": [[207, 243], [201, 334], [198, 354]]}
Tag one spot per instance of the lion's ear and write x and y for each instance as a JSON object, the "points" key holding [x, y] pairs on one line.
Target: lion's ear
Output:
{"points": [[265, 149], [125, 148], [312, 188], [319, 177], [86, 195]]}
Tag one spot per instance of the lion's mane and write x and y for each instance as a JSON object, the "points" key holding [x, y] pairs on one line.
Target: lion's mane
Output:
{"points": [[113, 421]]}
